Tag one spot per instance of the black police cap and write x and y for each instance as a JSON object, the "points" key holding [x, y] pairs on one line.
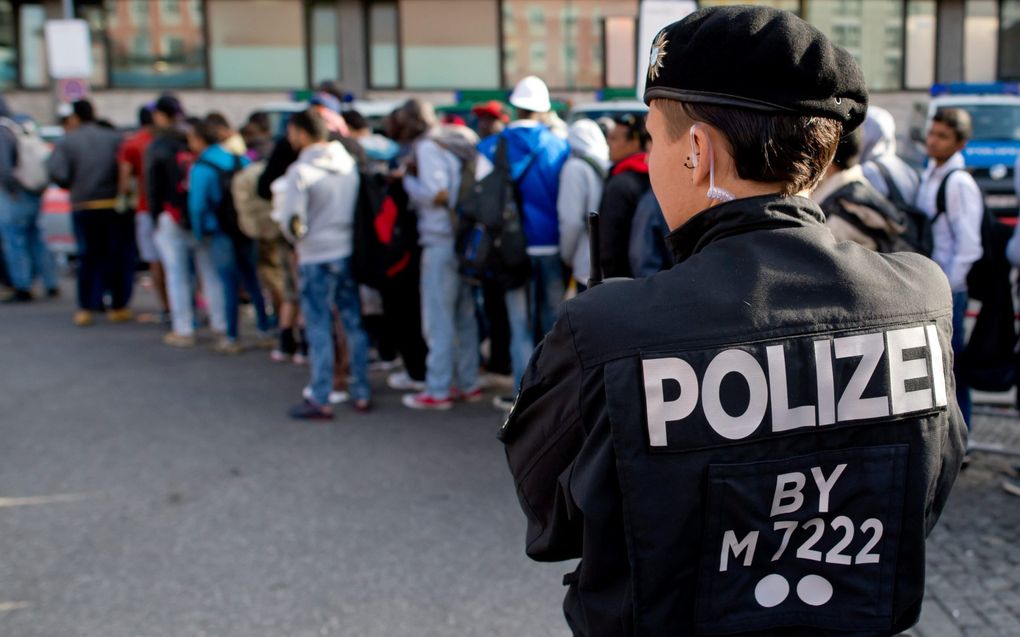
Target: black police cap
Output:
{"points": [[759, 59]]}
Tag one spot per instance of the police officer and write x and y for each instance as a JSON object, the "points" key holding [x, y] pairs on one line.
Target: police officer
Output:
{"points": [[758, 440]]}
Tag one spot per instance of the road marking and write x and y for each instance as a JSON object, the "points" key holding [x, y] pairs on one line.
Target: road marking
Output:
{"points": [[41, 499], [6, 607]]}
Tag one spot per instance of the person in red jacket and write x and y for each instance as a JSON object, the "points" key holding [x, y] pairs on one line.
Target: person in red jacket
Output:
{"points": [[628, 182]]}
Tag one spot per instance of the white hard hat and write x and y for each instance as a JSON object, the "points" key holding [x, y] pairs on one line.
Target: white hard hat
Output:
{"points": [[531, 94]]}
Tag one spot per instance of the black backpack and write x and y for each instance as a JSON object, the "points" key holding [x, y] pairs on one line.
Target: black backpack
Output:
{"points": [[918, 226], [385, 231], [490, 240], [990, 274], [226, 213]]}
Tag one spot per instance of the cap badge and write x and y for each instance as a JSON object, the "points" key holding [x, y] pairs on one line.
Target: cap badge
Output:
{"points": [[658, 56]]}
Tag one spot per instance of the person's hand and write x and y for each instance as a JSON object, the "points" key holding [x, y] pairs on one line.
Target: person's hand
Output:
{"points": [[442, 198]]}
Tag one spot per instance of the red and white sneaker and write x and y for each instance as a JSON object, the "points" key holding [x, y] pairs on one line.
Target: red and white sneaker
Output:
{"points": [[425, 401], [471, 396]]}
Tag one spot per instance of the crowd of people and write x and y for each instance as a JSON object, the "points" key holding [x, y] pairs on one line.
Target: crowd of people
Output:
{"points": [[277, 219]]}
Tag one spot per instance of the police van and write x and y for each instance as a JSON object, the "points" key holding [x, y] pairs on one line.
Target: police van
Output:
{"points": [[992, 152]]}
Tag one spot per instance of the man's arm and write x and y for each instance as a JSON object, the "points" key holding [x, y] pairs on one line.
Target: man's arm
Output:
{"points": [[433, 177], [543, 435], [964, 210], [59, 166], [203, 192], [570, 209], [295, 204]]}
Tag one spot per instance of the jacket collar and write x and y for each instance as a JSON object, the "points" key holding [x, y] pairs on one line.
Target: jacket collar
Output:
{"points": [[637, 163], [767, 212]]}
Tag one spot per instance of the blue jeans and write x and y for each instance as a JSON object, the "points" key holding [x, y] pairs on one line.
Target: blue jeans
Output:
{"points": [[532, 310], [448, 322], [323, 287], [24, 250], [234, 263], [176, 246], [959, 342]]}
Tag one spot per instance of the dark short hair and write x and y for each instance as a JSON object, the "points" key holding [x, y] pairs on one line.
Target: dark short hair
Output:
{"points": [[848, 152], [635, 126], [216, 118], [311, 122], [790, 150], [169, 105], [145, 116], [261, 120], [84, 110], [958, 120], [355, 120], [203, 130]]}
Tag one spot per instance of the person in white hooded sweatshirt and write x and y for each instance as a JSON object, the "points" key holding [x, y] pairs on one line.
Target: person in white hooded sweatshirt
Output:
{"points": [[318, 216], [581, 183], [881, 165]]}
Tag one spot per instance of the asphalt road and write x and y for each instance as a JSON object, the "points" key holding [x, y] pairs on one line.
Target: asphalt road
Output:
{"points": [[148, 491]]}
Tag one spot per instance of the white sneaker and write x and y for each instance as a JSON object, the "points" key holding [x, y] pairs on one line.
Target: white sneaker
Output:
{"points": [[384, 366], [335, 397], [403, 382]]}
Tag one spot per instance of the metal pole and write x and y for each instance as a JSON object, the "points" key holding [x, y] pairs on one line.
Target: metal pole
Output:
{"points": [[68, 9]]}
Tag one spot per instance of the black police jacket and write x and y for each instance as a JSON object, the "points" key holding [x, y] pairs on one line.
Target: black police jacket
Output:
{"points": [[754, 442]]}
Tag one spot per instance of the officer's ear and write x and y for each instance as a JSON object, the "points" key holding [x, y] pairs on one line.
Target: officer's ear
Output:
{"points": [[701, 149]]}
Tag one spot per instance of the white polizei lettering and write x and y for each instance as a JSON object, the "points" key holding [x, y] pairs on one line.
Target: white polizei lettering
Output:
{"points": [[826, 382], [784, 418], [851, 405], [730, 544], [938, 367], [661, 411], [825, 485], [734, 361], [795, 495], [900, 370]]}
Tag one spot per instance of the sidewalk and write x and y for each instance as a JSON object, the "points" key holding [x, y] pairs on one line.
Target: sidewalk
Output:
{"points": [[973, 579]]}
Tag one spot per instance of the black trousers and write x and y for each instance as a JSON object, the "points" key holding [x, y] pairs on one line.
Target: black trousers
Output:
{"points": [[498, 328], [401, 297], [106, 257]]}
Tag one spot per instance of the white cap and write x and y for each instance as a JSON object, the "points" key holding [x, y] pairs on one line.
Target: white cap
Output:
{"points": [[531, 94]]}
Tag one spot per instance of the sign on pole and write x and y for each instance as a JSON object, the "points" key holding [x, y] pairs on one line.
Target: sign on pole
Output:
{"points": [[68, 49]]}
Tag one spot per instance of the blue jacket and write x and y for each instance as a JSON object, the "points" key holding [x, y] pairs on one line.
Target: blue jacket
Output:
{"points": [[204, 192], [541, 179]]}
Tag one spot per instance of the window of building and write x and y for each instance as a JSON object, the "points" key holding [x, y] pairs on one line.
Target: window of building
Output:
{"points": [[1009, 41], [322, 33], [920, 49], [980, 40], [154, 44], [32, 46], [860, 26], [444, 53], [621, 47], [383, 29], [257, 44], [573, 47], [95, 15]]}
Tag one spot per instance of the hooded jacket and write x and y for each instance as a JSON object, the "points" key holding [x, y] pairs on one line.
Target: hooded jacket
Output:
{"points": [[536, 158], [321, 191], [205, 191], [879, 147], [440, 157], [627, 183], [581, 183], [754, 442]]}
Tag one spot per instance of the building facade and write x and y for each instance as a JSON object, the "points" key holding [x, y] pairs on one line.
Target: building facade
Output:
{"points": [[232, 53]]}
